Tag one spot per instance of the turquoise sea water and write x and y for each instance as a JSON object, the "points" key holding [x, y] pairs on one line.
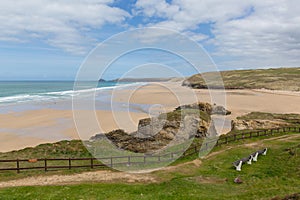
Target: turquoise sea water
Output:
{"points": [[26, 91], [33, 95]]}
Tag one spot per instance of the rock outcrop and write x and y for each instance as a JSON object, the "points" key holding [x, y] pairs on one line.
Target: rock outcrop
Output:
{"points": [[184, 123], [260, 120], [257, 124]]}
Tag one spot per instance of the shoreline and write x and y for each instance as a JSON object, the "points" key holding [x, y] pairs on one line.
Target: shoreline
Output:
{"points": [[30, 128]]}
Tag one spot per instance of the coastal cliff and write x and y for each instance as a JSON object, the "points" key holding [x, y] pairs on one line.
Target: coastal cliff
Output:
{"points": [[272, 79]]}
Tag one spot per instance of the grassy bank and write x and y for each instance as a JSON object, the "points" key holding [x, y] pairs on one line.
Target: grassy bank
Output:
{"points": [[273, 79], [274, 175]]}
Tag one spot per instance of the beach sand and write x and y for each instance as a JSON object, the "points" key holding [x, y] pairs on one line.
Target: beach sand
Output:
{"points": [[30, 128]]}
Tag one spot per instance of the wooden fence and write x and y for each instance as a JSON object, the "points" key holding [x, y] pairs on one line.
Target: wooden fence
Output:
{"points": [[46, 164]]}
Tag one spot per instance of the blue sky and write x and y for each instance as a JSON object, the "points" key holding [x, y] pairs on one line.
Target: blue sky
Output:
{"points": [[48, 40]]}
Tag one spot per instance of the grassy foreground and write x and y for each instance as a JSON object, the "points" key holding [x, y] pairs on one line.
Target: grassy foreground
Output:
{"points": [[274, 175]]}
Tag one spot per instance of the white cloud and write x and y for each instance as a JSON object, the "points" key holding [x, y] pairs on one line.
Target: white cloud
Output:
{"points": [[187, 14], [252, 33], [248, 33], [196, 36], [61, 23]]}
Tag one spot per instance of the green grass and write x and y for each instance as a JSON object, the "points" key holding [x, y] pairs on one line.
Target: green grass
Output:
{"points": [[277, 174], [274, 79], [62, 149]]}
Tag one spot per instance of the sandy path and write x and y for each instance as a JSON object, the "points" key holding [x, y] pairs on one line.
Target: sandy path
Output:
{"points": [[143, 176], [91, 177]]}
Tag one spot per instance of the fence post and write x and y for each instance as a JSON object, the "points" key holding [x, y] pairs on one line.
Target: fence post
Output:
{"points": [[92, 163], [70, 163], [254, 133], [45, 164], [128, 160], [18, 166]]}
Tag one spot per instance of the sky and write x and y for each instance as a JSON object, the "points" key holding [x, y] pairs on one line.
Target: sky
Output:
{"points": [[49, 40]]}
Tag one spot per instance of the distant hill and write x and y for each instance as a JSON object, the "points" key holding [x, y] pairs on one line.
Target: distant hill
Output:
{"points": [[273, 79], [142, 79]]}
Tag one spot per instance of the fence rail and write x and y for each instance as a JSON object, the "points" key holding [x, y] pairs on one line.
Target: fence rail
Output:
{"points": [[45, 163]]}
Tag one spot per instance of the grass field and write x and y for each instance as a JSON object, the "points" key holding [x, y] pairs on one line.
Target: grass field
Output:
{"points": [[274, 175], [274, 79]]}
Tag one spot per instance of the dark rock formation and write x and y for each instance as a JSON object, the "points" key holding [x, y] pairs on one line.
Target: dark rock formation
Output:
{"points": [[219, 110], [184, 123]]}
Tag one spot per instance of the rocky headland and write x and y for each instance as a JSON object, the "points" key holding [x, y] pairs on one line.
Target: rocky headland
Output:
{"points": [[273, 79]]}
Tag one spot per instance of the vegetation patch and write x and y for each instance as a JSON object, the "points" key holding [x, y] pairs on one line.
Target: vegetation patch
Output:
{"points": [[273, 79]]}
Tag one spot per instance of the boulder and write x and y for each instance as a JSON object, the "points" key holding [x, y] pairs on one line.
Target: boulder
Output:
{"points": [[219, 110]]}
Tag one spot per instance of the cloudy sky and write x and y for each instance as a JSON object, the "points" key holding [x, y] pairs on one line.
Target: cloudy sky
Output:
{"points": [[43, 39]]}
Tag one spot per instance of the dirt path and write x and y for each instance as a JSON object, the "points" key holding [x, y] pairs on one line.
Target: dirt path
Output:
{"points": [[143, 176], [98, 176]]}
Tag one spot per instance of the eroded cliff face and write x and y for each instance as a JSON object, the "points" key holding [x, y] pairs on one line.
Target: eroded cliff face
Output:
{"points": [[257, 124], [260, 120], [184, 123]]}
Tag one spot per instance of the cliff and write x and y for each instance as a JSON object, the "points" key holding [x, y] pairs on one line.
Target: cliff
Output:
{"points": [[273, 79]]}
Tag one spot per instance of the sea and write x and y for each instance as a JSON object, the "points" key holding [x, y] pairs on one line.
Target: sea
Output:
{"points": [[31, 95]]}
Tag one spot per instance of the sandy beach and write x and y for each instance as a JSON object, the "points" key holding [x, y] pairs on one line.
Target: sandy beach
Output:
{"points": [[32, 127]]}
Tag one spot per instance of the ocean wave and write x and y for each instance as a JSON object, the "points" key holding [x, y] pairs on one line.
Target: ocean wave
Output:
{"points": [[67, 94], [22, 98]]}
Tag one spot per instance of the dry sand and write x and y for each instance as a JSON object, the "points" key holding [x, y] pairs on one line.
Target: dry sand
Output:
{"points": [[22, 129], [30, 128]]}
